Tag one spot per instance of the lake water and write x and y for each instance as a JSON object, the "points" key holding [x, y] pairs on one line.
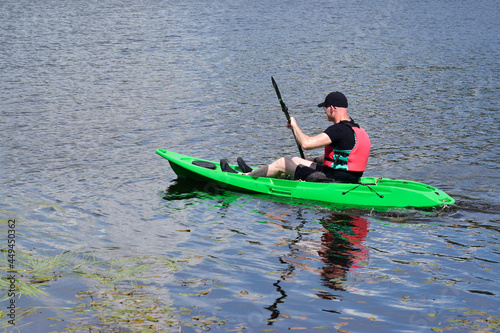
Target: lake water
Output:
{"points": [[108, 239]]}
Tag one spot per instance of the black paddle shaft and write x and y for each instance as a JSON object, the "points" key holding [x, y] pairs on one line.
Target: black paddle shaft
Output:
{"points": [[284, 108]]}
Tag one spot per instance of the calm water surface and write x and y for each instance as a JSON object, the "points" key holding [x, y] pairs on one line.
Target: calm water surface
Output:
{"points": [[107, 237]]}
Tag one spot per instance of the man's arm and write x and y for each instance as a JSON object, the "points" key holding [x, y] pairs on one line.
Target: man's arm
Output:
{"points": [[309, 142]]}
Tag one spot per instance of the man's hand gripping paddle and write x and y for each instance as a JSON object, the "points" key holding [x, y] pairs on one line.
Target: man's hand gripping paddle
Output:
{"points": [[284, 108]]}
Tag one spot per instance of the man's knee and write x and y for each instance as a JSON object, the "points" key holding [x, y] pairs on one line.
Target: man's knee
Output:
{"points": [[280, 163]]}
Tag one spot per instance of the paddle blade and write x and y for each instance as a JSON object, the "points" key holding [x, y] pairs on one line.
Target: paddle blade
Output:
{"points": [[283, 106]]}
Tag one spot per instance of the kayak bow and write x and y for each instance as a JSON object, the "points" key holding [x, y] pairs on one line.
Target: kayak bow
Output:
{"points": [[370, 193]]}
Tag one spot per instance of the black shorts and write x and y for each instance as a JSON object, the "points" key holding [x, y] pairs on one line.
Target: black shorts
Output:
{"points": [[319, 173]]}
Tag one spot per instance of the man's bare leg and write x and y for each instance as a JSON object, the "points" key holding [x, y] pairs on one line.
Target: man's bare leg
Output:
{"points": [[297, 160], [277, 168]]}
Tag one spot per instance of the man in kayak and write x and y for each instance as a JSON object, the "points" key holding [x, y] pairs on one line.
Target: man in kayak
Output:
{"points": [[347, 148]]}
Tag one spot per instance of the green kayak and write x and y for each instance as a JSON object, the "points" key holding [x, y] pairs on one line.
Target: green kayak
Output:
{"points": [[370, 193]]}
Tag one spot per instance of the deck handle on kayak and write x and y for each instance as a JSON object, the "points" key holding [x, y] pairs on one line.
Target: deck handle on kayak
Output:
{"points": [[367, 185]]}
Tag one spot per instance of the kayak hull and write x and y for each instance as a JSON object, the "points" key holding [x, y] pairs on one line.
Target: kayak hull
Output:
{"points": [[371, 193]]}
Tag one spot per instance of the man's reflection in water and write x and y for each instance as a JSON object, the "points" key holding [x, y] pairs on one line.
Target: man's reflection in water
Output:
{"points": [[340, 250], [342, 247]]}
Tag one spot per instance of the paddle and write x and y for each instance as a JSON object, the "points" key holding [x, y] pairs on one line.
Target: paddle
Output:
{"points": [[284, 108]]}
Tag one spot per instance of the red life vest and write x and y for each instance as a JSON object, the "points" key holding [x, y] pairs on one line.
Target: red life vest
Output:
{"points": [[355, 159]]}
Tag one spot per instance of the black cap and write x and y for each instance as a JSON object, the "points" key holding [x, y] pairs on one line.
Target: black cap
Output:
{"points": [[336, 99]]}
